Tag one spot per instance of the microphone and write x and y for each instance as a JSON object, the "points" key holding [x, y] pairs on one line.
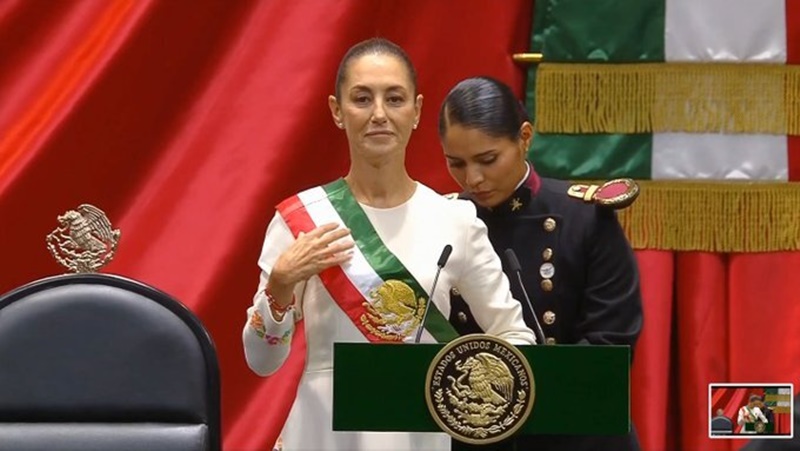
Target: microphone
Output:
{"points": [[442, 260], [513, 263]]}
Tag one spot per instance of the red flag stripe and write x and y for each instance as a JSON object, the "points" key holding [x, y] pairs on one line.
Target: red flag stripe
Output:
{"points": [[793, 57]]}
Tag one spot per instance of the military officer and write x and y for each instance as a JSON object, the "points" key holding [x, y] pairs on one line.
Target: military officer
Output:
{"points": [[576, 264]]}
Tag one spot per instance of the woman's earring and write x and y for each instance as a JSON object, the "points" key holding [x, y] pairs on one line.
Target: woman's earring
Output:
{"points": [[340, 125], [415, 126]]}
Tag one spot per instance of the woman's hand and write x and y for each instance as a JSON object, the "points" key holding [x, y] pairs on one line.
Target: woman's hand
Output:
{"points": [[310, 254]]}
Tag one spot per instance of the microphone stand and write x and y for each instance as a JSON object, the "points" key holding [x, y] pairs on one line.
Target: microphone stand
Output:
{"points": [[442, 260], [513, 263]]}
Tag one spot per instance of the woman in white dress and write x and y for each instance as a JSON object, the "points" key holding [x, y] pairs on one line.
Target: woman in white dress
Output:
{"points": [[354, 258], [751, 414]]}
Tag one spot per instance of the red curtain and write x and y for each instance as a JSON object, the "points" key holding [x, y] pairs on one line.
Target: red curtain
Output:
{"points": [[710, 318], [187, 121]]}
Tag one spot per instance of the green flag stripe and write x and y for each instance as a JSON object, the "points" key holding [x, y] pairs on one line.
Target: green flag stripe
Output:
{"points": [[584, 157], [382, 260], [615, 31], [619, 31]]}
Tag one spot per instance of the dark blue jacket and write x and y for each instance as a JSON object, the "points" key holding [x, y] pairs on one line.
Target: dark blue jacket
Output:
{"points": [[580, 273]]}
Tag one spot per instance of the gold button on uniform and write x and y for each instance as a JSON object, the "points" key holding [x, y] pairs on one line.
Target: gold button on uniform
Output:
{"points": [[454, 291], [547, 285], [549, 224], [550, 341], [549, 317], [462, 317], [547, 254]]}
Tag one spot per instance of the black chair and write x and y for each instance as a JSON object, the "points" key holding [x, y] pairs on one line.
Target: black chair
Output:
{"points": [[721, 425], [100, 362]]}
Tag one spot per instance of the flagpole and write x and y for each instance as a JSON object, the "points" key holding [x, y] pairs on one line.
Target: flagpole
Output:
{"points": [[527, 58]]}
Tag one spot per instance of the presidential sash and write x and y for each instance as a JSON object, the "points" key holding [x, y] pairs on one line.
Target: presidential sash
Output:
{"points": [[374, 289]]}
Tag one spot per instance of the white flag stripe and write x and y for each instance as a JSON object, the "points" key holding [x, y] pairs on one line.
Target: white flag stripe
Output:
{"points": [[725, 30], [358, 270], [785, 391], [783, 403], [720, 157]]}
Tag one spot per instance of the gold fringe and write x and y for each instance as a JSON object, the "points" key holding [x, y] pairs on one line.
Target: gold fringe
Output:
{"points": [[668, 97], [714, 216]]}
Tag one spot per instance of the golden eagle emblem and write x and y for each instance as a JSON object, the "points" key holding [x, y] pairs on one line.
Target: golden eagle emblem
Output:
{"points": [[395, 312], [488, 389], [84, 240], [479, 389]]}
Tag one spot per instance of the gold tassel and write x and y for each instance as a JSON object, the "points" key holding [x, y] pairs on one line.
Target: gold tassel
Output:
{"points": [[714, 216], [668, 97]]}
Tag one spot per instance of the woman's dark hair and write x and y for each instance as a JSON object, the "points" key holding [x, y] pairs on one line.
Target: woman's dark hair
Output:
{"points": [[485, 104], [378, 46]]}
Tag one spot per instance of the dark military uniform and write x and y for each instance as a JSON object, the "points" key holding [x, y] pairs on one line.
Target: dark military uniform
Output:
{"points": [[581, 275], [779, 445]]}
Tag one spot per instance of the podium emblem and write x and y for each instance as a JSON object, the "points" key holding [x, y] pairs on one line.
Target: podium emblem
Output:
{"points": [[84, 240], [479, 389]]}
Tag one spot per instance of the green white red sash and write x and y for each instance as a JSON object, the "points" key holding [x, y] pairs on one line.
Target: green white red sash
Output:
{"points": [[352, 285]]}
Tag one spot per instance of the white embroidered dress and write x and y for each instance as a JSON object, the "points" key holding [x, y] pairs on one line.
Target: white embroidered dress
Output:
{"points": [[416, 233], [754, 414]]}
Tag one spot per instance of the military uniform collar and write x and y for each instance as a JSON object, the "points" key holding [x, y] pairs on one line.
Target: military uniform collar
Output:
{"points": [[520, 199]]}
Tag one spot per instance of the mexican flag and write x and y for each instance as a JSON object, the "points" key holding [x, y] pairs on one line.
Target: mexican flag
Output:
{"points": [[779, 399], [699, 100]]}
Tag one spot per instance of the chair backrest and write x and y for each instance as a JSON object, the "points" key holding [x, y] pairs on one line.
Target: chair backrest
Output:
{"points": [[102, 362], [721, 424]]}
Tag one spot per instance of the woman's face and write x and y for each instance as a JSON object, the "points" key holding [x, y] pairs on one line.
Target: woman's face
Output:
{"points": [[378, 109], [487, 167]]}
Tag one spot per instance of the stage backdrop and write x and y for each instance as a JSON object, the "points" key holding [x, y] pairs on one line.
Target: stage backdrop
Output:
{"points": [[187, 121]]}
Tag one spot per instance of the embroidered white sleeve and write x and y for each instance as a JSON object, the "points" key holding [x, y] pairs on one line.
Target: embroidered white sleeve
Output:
{"points": [[485, 287], [267, 341]]}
